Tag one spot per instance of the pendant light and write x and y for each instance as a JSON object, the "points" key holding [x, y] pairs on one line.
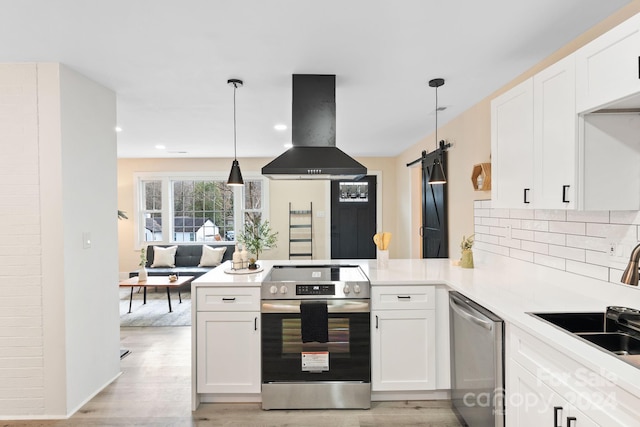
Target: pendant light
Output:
{"points": [[437, 172], [235, 176]]}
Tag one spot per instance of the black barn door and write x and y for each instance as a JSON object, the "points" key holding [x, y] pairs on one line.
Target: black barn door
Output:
{"points": [[434, 231], [353, 218]]}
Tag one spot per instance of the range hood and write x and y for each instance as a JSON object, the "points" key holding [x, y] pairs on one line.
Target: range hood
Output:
{"points": [[314, 154]]}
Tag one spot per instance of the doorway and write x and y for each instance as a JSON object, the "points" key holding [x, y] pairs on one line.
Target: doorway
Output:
{"points": [[353, 218], [434, 228]]}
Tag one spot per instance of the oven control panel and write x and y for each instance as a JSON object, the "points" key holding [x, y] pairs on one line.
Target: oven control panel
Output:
{"points": [[325, 289]]}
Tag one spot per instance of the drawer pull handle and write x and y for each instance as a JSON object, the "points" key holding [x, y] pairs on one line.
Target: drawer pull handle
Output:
{"points": [[229, 299], [526, 195], [571, 421], [404, 296], [557, 415], [255, 323], [376, 321]]}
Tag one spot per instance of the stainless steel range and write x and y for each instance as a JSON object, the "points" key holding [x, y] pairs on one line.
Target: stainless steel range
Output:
{"points": [[316, 337]]}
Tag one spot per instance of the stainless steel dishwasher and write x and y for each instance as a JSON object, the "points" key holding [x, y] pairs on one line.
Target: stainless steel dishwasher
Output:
{"points": [[477, 363]]}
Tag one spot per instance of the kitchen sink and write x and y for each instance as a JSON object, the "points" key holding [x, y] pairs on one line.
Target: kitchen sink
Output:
{"points": [[575, 322], [618, 343], [616, 331]]}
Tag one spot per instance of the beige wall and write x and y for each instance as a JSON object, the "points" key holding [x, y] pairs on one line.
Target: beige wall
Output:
{"points": [[281, 192], [470, 136]]}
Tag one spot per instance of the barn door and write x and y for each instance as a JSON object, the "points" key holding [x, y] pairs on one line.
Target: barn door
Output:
{"points": [[434, 229]]}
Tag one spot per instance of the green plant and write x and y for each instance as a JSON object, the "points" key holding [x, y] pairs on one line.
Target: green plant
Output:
{"points": [[143, 257], [467, 243], [257, 236]]}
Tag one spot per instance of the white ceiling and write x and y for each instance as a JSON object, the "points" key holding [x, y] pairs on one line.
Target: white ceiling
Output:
{"points": [[169, 61]]}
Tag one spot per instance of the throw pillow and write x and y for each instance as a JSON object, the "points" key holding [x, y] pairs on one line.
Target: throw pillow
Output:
{"points": [[164, 257], [211, 257]]}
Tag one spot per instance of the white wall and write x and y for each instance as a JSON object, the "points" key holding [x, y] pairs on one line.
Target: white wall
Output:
{"points": [[59, 329], [89, 187]]}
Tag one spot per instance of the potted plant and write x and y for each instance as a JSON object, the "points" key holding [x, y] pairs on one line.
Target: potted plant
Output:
{"points": [[257, 236], [466, 261]]}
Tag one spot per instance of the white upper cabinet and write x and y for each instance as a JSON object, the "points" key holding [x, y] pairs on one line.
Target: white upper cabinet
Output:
{"points": [[512, 147], [533, 141], [554, 136], [608, 68]]}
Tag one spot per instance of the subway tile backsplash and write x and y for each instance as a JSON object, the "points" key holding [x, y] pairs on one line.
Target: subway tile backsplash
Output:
{"points": [[595, 244]]}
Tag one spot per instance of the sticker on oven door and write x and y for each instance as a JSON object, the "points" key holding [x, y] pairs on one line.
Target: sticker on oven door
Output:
{"points": [[315, 361]]}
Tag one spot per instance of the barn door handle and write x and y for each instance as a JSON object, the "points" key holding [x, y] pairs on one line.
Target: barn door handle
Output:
{"points": [[526, 195], [564, 193], [421, 231]]}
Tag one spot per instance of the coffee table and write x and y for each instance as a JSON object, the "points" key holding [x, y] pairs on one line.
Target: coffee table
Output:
{"points": [[157, 281]]}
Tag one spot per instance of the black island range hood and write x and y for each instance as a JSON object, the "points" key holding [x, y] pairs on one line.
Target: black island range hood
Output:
{"points": [[314, 154]]}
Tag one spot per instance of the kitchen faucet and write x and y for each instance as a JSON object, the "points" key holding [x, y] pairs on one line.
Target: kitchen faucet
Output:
{"points": [[630, 275]]}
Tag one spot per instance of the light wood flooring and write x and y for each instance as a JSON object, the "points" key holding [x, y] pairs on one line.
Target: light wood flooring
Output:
{"points": [[155, 390]]}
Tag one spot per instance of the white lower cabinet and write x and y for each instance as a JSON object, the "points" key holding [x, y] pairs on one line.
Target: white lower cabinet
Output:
{"points": [[228, 341], [403, 337], [547, 388], [534, 404]]}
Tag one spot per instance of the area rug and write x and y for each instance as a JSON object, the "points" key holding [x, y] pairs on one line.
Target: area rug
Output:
{"points": [[156, 311]]}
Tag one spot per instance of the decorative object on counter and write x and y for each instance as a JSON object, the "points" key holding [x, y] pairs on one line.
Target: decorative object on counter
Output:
{"points": [[241, 271], [466, 261], [382, 241], [244, 255], [236, 260], [252, 264], [142, 273], [173, 278], [235, 176], [257, 235]]}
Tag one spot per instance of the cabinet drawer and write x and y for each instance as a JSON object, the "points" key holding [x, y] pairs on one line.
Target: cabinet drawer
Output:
{"points": [[402, 297], [228, 299]]}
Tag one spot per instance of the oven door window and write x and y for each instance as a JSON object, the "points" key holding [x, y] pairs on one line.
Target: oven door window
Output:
{"points": [[347, 349]]}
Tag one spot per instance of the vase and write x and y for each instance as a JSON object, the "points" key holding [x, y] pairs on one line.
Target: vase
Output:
{"points": [[142, 274], [467, 259], [382, 259]]}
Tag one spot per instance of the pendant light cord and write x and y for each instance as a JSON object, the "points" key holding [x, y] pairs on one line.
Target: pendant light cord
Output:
{"points": [[235, 87], [436, 117]]}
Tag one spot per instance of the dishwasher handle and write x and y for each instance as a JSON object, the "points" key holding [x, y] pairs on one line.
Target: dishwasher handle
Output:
{"points": [[470, 314]]}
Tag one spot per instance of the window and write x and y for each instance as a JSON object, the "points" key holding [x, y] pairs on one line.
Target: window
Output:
{"points": [[177, 208]]}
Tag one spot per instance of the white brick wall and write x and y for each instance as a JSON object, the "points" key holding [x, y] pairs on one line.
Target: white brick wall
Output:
{"points": [[577, 242], [21, 334]]}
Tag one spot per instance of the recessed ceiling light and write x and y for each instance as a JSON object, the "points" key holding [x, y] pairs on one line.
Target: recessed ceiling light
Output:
{"points": [[288, 145], [118, 129], [280, 126], [160, 147]]}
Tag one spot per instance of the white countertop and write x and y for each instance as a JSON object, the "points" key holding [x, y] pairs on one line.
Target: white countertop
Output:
{"points": [[508, 287]]}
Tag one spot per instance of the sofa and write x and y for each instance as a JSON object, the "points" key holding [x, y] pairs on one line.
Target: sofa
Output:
{"points": [[186, 259]]}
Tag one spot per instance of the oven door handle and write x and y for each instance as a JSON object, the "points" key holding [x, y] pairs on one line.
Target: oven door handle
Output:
{"points": [[293, 306]]}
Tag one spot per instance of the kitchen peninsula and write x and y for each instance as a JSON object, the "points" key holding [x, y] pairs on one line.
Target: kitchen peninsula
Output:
{"points": [[508, 287]]}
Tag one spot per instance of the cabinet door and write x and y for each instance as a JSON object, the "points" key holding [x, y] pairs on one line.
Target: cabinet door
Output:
{"points": [[555, 142], [512, 147], [228, 352], [531, 403], [607, 69], [403, 350]]}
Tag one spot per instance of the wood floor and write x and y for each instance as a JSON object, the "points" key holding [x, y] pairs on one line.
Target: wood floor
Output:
{"points": [[155, 389]]}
